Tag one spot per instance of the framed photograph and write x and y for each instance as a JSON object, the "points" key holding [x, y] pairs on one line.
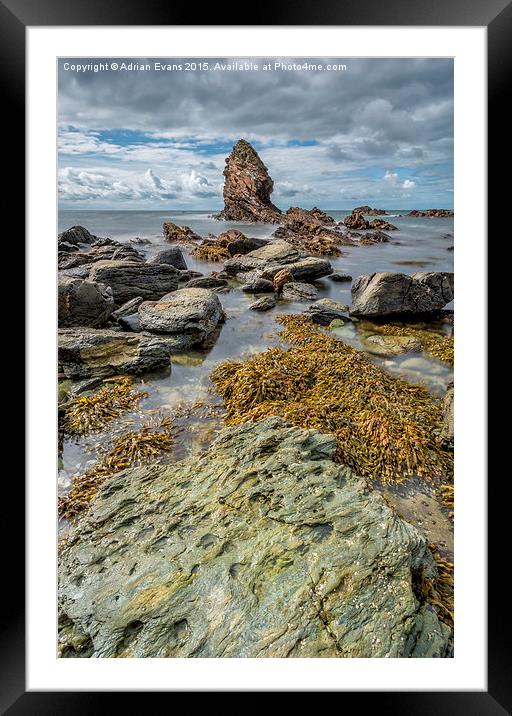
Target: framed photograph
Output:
{"points": [[256, 422]]}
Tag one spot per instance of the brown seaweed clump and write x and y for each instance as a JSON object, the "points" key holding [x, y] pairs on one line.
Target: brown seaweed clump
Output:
{"points": [[438, 589], [436, 345], [385, 427], [128, 450], [316, 245], [211, 251], [91, 413]]}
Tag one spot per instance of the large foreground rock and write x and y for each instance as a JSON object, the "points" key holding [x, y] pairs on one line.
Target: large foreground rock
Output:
{"points": [[276, 256], [388, 293], [83, 303], [247, 187], [129, 279], [173, 256], [263, 547], [92, 352], [187, 317]]}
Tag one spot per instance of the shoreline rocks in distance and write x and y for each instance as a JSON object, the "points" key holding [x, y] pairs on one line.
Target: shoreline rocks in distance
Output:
{"points": [[388, 293], [432, 213], [276, 551], [247, 188]]}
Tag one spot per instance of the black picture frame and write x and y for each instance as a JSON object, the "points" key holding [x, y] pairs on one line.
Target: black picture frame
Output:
{"points": [[15, 17]]}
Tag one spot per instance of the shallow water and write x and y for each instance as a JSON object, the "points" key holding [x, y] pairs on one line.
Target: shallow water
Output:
{"points": [[417, 245]]}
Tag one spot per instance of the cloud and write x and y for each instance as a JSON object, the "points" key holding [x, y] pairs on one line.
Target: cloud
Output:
{"points": [[129, 137]]}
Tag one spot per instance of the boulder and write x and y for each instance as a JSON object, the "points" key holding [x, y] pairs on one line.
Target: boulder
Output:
{"points": [[94, 352], [247, 187], [76, 235], [262, 547], [276, 256], [258, 285], [265, 303], [207, 282], [368, 211], [130, 279], [238, 244], [326, 310], [381, 224], [296, 291], [388, 293], [128, 308], [173, 232], [83, 303], [340, 277], [186, 317], [356, 221]]}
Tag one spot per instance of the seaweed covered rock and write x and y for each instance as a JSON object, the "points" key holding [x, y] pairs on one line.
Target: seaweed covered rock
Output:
{"points": [[247, 187], [276, 256], [83, 303], [432, 213], [183, 234], [307, 230], [262, 547], [396, 294], [130, 279], [187, 317], [95, 352], [368, 211], [356, 221], [238, 243]]}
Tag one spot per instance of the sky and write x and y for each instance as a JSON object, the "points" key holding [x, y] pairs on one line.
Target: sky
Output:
{"points": [[138, 137]]}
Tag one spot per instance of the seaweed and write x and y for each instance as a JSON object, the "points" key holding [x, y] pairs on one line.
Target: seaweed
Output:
{"points": [[128, 450], [437, 589], [384, 426], [91, 413], [211, 252]]}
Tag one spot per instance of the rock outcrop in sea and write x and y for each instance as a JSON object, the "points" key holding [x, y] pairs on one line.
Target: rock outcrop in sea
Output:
{"points": [[247, 188], [261, 547], [432, 213]]}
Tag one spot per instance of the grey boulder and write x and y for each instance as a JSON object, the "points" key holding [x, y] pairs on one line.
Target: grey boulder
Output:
{"points": [[391, 294], [297, 291], [326, 310], [187, 317], [276, 256], [265, 303], [76, 235], [262, 547], [129, 279], [83, 303], [172, 256]]}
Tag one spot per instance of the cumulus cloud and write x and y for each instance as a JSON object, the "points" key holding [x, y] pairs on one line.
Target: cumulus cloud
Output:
{"points": [[152, 136]]}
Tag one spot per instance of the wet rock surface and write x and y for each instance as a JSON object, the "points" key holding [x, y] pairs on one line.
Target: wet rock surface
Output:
{"points": [[186, 317], [89, 353], [388, 293], [263, 547], [83, 303], [278, 256], [129, 279], [172, 256], [247, 187], [297, 291], [326, 310]]}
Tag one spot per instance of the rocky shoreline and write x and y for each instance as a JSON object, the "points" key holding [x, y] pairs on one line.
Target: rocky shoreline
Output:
{"points": [[274, 539]]}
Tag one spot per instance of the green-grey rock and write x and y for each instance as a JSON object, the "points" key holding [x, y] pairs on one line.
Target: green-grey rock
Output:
{"points": [[262, 547]]}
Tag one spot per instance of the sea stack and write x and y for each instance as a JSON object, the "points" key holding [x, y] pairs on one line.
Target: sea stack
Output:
{"points": [[247, 188]]}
